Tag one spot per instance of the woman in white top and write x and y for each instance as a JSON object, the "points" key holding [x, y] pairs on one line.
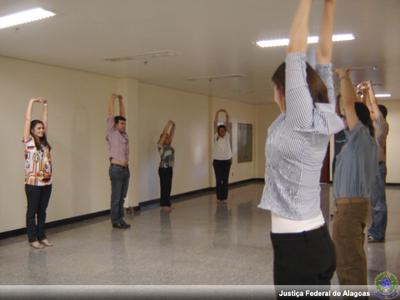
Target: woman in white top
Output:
{"points": [[296, 146], [222, 156]]}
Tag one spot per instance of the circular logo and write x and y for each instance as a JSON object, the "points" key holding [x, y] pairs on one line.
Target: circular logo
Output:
{"points": [[387, 284]]}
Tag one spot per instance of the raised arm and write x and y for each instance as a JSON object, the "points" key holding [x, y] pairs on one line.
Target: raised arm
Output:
{"points": [[111, 105], [324, 48], [28, 118], [121, 106], [348, 96], [216, 120], [298, 100], [164, 132], [45, 114], [299, 30], [228, 123], [172, 131], [370, 100]]}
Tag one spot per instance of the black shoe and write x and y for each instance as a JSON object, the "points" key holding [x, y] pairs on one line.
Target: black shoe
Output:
{"points": [[371, 239], [125, 224], [121, 225]]}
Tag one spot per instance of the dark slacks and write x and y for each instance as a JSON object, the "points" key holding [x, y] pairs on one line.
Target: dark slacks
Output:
{"points": [[165, 185], [38, 199], [222, 169], [306, 258]]}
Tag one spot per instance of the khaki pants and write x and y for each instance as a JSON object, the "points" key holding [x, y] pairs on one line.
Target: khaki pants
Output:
{"points": [[348, 236]]}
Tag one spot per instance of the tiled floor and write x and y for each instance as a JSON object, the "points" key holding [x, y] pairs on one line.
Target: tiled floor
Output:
{"points": [[200, 242]]}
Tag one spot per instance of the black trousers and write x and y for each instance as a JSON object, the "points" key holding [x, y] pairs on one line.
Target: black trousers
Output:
{"points": [[38, 199], [306, 258], [165, 185], [222, 169]]}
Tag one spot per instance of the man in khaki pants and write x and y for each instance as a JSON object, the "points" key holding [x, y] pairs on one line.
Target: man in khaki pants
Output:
{"points": [[356, 166]]}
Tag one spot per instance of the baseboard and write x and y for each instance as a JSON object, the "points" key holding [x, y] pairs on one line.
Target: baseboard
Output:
{"points": [[184, 196], [57, 223], [142, 205]]}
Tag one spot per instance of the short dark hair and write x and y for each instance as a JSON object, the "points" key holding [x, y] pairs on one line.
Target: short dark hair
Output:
{"points": [[118, 119], [221, 126], [364, 116], [383, 110], [316, 86]]}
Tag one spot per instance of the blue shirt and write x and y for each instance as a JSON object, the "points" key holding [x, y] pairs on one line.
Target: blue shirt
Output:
{"points": [[297, 143], [356, 164]]}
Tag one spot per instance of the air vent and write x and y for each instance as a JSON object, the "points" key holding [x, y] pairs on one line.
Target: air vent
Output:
{"points": [[213, 77], [144, 56]]}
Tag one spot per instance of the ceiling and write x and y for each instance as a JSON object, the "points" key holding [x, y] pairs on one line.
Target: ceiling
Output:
{"points": [[212, 37]]}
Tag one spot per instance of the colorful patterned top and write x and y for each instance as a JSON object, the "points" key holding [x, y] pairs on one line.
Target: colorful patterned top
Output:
{"points": [[38, 168], [167, 155]]}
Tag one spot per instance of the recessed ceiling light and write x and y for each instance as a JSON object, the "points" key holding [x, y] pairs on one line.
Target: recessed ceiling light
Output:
{"points": [[25, 16], [310, 40], [383, 95]]}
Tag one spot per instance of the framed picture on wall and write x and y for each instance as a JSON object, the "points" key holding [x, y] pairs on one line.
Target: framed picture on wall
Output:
{"points": [[245, 142]]}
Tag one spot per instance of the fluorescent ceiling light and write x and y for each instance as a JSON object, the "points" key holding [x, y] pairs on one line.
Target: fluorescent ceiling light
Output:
{"points": [[144, 56], [310, 40], [383, 95], [26, 16]]}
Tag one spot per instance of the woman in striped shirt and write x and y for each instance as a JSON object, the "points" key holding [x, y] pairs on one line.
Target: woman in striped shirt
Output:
{"points": [[296, 145]]}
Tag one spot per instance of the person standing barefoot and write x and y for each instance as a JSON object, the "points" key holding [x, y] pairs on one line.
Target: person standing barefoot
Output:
{"points": [[38, 175]]}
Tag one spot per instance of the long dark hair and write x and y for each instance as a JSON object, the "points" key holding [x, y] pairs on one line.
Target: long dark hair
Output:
{"points": [[383, 110], [364, 116], [39, 142], [318, 90]]}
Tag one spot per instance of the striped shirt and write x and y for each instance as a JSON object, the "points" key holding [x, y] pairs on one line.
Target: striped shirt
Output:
{"points": [[356, 164], [297, 143]]}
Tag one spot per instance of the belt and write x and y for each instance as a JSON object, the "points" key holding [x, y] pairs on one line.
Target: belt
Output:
{"points": [[119, 166], [351, 200]]}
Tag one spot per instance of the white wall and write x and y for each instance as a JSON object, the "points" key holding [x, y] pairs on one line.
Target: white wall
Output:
{"points": [[393, 142], [266, 114]]}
